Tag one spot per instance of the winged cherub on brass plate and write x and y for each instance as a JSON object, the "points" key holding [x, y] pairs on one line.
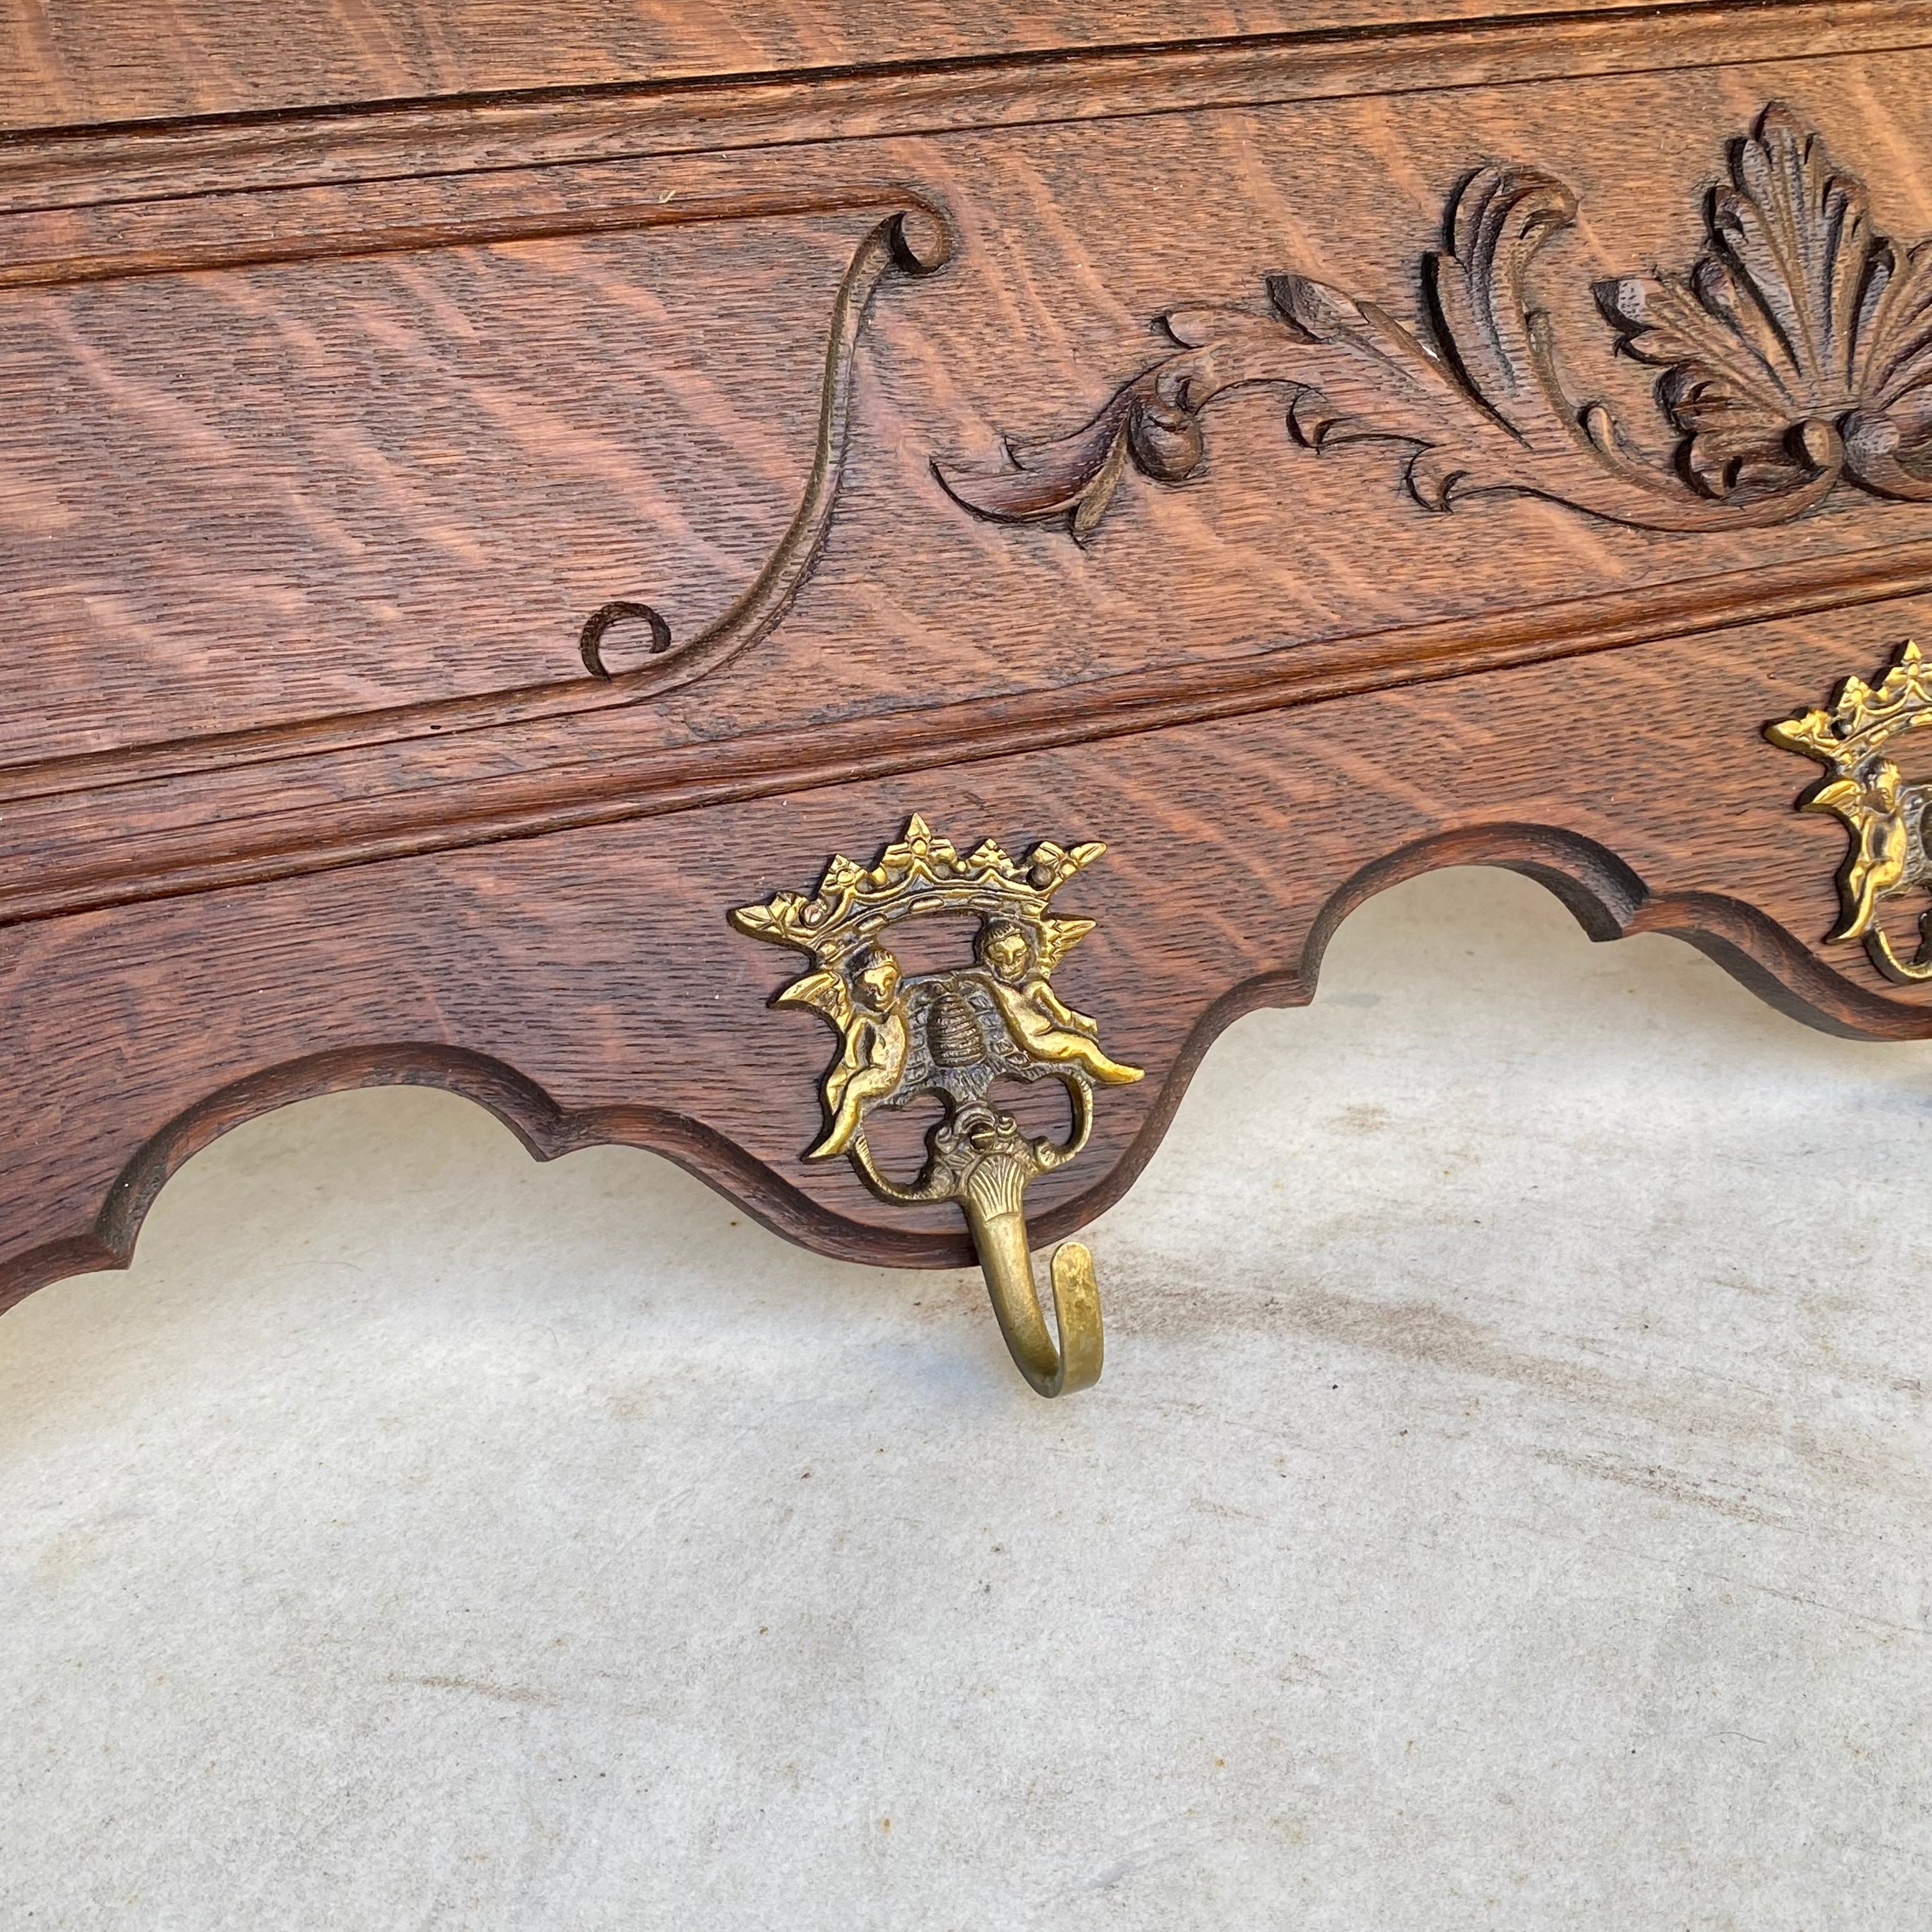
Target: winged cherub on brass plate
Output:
{"points": [[1885, 813], [953, 1033]]}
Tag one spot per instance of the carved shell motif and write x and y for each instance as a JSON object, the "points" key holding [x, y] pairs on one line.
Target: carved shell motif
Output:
{"points": [[1797, 325], [1797, 352]]}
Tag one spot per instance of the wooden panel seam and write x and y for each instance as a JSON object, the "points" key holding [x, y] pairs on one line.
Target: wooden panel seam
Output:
{"points": [[83, 167], [121, 843]]}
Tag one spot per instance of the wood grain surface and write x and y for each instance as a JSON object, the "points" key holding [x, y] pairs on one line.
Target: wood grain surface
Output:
{"points": [[164, 160], [75, 60], [586, 986], [326, 435]]}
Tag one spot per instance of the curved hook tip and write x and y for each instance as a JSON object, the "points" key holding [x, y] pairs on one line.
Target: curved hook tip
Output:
{"points": [[1076, 1307], [1006, 1261]]}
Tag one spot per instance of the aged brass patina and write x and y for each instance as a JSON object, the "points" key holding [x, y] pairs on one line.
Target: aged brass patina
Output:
{"points": [[954, 1033], [1885, 813]]}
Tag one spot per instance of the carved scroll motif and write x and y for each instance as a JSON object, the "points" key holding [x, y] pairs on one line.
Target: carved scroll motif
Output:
{"points": [[1796, 353], [913, 241]]}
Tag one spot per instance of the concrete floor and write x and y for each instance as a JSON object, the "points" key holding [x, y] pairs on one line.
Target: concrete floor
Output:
{"points": [[1507, 1506]]}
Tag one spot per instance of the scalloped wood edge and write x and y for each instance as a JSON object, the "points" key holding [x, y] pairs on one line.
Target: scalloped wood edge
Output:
{"points": [[1606, 896]]}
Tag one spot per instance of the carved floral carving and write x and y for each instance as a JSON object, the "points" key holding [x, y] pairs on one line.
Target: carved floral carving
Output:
{"points": [[1796, 354]]}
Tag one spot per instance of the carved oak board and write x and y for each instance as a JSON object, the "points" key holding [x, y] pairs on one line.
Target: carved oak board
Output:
{"points": [[555, 565]]}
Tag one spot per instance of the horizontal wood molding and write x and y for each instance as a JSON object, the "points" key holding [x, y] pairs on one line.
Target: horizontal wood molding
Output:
{"points": [[84, 167], [123, 827], [237, 243]]}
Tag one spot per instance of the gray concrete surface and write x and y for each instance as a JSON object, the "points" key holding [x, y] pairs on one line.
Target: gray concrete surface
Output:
{"points": [[1507, 1506]]}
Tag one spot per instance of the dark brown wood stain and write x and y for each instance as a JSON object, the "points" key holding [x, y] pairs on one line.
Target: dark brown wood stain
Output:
{"points": [[351, 369]]}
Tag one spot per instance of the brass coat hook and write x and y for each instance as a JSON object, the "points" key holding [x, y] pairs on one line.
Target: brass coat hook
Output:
{"points": [[980, 1160], [953, 1034], [1006, 1259]]}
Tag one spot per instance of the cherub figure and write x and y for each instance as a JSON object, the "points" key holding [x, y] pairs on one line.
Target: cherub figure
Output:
{"points": [[1039, 1020], [867, 1009], [1886, 859]]}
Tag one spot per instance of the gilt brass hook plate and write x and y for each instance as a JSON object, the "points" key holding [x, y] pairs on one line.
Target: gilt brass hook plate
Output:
{"points": [[954, 1033], [1884, 814]]}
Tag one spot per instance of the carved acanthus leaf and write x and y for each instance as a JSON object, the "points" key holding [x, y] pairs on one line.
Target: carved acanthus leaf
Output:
{"points": [[1797, 352]]}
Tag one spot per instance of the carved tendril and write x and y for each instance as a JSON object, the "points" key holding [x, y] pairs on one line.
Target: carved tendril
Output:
{"points": [[915, 242]]}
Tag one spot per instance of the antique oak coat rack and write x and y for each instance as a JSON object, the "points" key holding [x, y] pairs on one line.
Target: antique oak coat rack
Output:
{"points": [[833, 591]]}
